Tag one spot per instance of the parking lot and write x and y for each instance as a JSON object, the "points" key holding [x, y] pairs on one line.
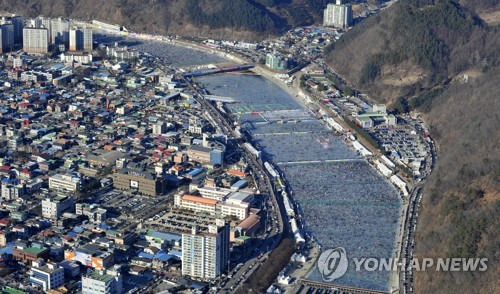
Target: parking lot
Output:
{"points": [[134, 206]]}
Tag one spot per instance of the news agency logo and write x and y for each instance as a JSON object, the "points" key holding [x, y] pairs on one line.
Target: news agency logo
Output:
{"points": [[332, 264]]}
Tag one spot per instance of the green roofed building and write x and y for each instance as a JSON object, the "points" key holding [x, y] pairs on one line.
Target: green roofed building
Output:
{"points": [[102, 282], [9, 290]]}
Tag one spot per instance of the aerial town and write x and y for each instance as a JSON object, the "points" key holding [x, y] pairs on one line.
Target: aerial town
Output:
{"points": [[125, 170]]}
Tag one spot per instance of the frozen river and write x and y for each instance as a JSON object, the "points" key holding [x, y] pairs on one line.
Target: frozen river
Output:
{"points": [[344, 201], [173, 54]]}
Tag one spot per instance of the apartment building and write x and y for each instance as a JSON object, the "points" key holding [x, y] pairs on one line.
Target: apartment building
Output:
{"points": [[338, 14], [80, 39], [35, 40], [205, 253]]}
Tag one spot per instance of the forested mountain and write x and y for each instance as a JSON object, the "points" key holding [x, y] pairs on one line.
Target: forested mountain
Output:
{"points": [[244, 19], [441, 59]]}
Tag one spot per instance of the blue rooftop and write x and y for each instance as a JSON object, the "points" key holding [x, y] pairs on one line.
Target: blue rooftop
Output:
{"points": [[166, 236], [195, 171]]}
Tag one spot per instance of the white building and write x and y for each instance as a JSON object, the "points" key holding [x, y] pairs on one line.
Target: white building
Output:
{"points": [[216, 193], [102, 282], [36, 40], [59, 31], [17, 62], [230, 207], [238, 210], [205, 254], [196, 203], [80, 39], [92, 211], [159, 128], [65, 183], [237, 204], [12, 190], [121, 53], [338, 15], [80, 57], [54, 206], [46, 275]]}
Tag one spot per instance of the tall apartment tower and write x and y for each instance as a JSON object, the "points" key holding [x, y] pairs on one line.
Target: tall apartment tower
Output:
{"points": [[338, 15], [59, 31], [205, 254], [6, 37], [36, 40], [18, 23], [80, 39], [42, 22], [17, 27]]}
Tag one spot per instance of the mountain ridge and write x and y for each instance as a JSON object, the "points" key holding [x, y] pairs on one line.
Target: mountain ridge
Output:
{"points": [[439, 59], [236, 19]]}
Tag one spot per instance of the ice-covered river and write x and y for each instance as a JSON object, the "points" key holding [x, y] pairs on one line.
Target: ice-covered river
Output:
{"points": [[344, 201]]}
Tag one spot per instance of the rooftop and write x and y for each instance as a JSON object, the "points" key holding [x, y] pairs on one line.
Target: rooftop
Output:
{"points": [[95, 275], [199, 199], [34, 249]]}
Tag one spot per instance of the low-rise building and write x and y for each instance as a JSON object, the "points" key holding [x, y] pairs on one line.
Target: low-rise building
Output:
{"points": [[91, 255], [196, 203], [102, 282], [30, 253], [54, 206], [163, 240], [46, 276], [92, 211], [81, 57], [64, 183]]}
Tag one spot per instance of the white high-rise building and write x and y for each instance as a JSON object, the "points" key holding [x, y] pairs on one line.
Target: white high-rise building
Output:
{"points": [[205, 254], [80, 39], [338, 15], [88, 40], [59, 31], [35, 40], [42, 23]]}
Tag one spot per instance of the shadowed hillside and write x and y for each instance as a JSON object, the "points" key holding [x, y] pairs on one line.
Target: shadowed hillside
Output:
{"points": [[441, 59]]}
